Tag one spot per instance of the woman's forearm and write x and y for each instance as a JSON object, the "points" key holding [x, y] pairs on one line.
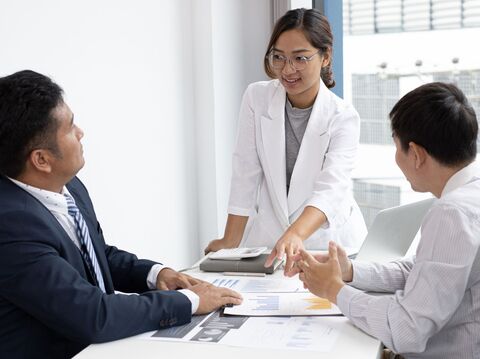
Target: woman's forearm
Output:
{"points": [[309, 221], [234, 229]]}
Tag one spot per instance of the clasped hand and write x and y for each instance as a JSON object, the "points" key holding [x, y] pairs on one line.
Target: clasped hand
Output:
{"points": [[323, 274]]}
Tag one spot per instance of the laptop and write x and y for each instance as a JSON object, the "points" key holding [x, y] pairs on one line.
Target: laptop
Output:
{"points": [[393, 231]]}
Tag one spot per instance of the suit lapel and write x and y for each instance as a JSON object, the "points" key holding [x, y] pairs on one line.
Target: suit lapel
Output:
{"points": [[312, 151], [36, 206], [273, 140]]}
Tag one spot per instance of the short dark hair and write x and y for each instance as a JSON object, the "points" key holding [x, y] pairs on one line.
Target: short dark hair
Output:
{"points": [[27, 99], [438, 117], [316, 29]]}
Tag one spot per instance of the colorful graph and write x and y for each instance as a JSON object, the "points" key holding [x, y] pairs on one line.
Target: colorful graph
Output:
{"points": [[265, 303], [318, 303], [279, 304]]}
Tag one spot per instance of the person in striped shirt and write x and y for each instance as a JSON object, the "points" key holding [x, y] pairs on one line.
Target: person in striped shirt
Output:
{"points": [[432, 305]]}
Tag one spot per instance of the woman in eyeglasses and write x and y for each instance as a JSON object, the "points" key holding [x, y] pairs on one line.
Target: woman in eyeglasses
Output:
{"points": [[295, 151]]}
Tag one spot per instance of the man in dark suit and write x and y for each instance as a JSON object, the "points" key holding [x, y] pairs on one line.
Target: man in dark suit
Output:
{"points": [[57, 274]]}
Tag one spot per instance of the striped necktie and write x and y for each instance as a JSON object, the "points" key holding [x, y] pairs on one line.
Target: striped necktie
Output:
{"points": [[86, 246]]}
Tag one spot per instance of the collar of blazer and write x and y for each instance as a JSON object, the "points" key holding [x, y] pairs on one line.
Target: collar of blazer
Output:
{"points": [[310, 157]]}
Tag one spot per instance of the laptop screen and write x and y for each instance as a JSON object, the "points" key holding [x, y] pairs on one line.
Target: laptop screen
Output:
{"points": [[392, 232]]}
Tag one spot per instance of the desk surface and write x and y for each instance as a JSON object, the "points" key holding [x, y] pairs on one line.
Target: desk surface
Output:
{"points": [[352, 343]]}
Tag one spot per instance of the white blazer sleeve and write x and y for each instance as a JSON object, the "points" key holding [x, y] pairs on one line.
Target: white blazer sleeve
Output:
{"points": [[332, 187], [246, 169]]}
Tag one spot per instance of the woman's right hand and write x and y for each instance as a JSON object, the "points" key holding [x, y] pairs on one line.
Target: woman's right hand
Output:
{"points": [[218, 244], [233, 234]]}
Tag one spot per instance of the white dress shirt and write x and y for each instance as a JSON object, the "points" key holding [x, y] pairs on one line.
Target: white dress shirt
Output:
{"points": [[435, 309], [57, 205]]}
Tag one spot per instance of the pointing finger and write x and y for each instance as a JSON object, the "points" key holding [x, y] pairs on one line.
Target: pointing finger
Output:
{"points": [[280, 251], [290, 262], [270, 258]]}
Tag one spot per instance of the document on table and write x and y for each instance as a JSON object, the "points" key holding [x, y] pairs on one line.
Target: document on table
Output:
{"points": [[283, 304], [296, 333], [259, 285]]}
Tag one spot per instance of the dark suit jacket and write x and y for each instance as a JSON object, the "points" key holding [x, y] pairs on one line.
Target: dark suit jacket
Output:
{"points": [[49, 307]]}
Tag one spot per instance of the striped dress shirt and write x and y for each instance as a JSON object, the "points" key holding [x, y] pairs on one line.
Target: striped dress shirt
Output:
{"points": [[433, 310]]}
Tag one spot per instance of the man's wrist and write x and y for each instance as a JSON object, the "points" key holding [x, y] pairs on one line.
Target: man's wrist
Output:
{"points": [[153, 274], [333, 290], [192, 297], [348, 277]]}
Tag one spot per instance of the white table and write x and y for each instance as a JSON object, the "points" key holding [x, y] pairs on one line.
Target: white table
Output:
{"points": [[352, 343]]}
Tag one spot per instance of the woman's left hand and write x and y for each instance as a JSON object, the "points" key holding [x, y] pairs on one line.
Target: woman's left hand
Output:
{"points": [[290, 244]]}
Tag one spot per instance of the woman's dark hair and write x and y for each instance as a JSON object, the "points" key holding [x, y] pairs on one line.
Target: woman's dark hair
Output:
{"points": [[438, 117], [316, 29], [27, 99]]}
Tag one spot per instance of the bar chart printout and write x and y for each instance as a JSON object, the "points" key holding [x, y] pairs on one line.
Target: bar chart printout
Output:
{"points": [[263, 285], [225, 282], [283, 304], [265, 303]]}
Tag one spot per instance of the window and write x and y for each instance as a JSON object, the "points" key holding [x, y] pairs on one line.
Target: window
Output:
{"points": [[391, 47]]}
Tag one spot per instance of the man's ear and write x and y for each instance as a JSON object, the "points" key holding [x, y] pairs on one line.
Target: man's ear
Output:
{"points": [[41, 160], [419, 153]]}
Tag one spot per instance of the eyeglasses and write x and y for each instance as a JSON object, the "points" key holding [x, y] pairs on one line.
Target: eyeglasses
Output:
{"points": [[299, 63]]}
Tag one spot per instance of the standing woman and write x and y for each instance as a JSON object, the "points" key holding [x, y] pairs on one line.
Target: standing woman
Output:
{"points": [[295, 151]]}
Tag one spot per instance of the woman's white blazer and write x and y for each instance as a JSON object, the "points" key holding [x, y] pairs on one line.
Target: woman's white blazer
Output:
{"points": [[320, 178]]}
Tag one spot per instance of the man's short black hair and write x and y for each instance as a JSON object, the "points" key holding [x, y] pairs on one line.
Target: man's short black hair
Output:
{"points": [[438, 117], [27, 99]]}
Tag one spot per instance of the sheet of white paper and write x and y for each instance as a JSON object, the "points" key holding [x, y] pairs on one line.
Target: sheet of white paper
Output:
{"points": [[259, 285], [301, 333], [283, 304], [293, 333]]}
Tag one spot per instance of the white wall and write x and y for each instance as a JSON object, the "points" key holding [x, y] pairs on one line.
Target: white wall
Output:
{"points": [[230, 39], [126, 70], [156, 87]]}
